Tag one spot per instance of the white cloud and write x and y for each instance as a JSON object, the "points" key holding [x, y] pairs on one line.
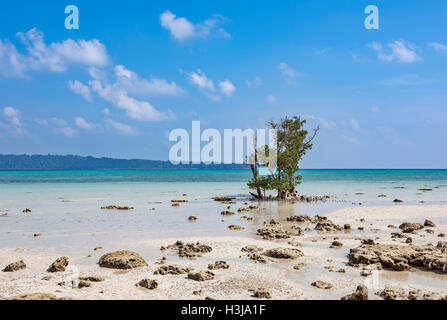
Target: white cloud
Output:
{"points": [[12, 116], [106, 111], [288, 72], [399, 50], [122, 128], [81, 123], [55, 57], [135, 109], [439, 47], [134, 84], [227, 88], [323, 122], [200, 79], [67, 131], [256, 82], [80, 89], [183, 29]]}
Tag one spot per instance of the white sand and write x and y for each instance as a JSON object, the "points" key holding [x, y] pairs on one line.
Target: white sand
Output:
{"points": [[234, 283]]}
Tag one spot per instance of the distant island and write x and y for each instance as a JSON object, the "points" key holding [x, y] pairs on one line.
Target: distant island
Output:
{"points": [[73, 162]]}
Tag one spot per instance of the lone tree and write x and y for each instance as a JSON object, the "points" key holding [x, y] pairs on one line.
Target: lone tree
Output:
{"points": [[292, 143]]}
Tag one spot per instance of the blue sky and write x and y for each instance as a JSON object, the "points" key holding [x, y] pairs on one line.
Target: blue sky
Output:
{"points": [[134, 71]]}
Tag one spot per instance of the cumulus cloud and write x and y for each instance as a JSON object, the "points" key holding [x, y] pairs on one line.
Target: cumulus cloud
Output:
{"points": [[12, 116], [439, 47], [399, 50], [227, 88], [182, 29], [80, 89], [67, 131], [122, 128], [200, 80], [81, 123], [288, 72], [256, 82], [55, 57]]}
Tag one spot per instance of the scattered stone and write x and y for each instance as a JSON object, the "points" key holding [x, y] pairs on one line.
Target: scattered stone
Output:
{"points": [[441, 235], [222, 199], [256, 257], [176, 205], [26, 210], [360, 294], [235, 227], [408, 227], [322, 285], [117, 208], [381, 196], [227, 213], [92, 279], [392, 226], [341, 270], [409, 240], [336, 245], [366, 273], [284, 253], [197, 292], [148, 284], [347, 227], [179, 201], [59, 265], [429, 223], [98, 249], [172, 269], [15, 266], [37, 235], [397, 293], [397, 201], [368, 242], [192, 218], [122, 260], [327, 226], [46, 278], [360, 228], [84, 284], [201, 276], [218, 265], [190, 250], [299, 266], [261, 293], [251, 249], [430, 231]]}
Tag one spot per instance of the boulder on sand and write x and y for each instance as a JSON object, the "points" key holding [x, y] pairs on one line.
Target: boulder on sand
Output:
{"points": [[15, 266], [201, 276], [122, 260], [284, 253], [59, 265], [360, 294]]}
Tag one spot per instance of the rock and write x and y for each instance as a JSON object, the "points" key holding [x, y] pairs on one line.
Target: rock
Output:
{"points": [[122, 260], [190, 250], [222, 199], [15, 266], [368, 242], [227, 213], [429, 223], [381, 196], [59, 265], [360, 228], [148, 284], [398, 257], [347, 227], [197, 292], [261, 293], [322, 285], [336, 245], [409, 240], [201, 276], [192, 218], [46, 278], [360, 294], [392, 293], [341, 270], [301, 219], [441, 235], [391, 226], [36, 296], [179, 201], [37, 235], [84, 284], [397, 201], [365, 273], [430, 231], [284, 253], [117, 208], [408, 227], [273, 233], [256, 257], [218, 265], [172, 269], [26, 210], [92, 279], [327, 226], [176, 205], [299, 266], [235, 227], [98, 249], [251, 249]]}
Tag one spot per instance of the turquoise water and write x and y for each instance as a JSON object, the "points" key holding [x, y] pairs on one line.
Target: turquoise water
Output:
{"points": [[66, 204]]}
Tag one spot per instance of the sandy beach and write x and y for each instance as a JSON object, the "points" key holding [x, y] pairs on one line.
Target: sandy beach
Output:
{"points": [[319, 262]]}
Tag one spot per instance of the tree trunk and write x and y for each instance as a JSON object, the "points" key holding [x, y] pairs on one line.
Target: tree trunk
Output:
{"points": [[255, 177]]}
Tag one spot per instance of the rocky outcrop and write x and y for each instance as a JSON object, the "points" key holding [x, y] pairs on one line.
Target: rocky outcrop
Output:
{"points": [[399, 258], [408, 227], [36, 296], [201, 276], [270, 233], [360, 294], [251, 249], [429, 223], [327, 226], [171, 269], [117, 208], [218, 265], [148, 284], [15, 266], [223, 199], [397, 293], [122, 260], [336, 245], [322, 285], [59, 265], [188, 250], [284, 253]]}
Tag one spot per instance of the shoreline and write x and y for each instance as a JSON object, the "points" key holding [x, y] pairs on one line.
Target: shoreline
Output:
{"points": [[278, 276]]}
